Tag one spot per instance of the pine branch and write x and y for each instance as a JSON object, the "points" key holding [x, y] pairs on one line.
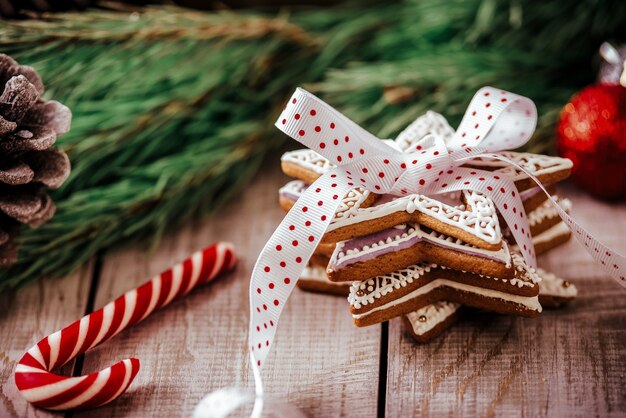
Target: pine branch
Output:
{"points": [[149, 199], [173, 109], [167, 122]]}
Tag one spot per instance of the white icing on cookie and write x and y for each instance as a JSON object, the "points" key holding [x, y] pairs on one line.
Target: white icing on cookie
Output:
{"points": [[529, 302], [548, 235], [428, 317], [351, 203], [430, 123], [367, 291], [525, 271], [318, 274], [536, 164], [409, 235], [479, 218], [293, 189], [551, 285], [307, 159], [547, 210]]}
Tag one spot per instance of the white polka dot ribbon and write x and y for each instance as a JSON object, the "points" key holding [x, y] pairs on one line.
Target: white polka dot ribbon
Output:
{"points": [[495, 120]]}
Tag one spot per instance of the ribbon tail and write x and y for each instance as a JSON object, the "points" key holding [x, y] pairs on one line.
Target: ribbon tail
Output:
{"points": [[285, 256], [612, 262], [257, 409]]}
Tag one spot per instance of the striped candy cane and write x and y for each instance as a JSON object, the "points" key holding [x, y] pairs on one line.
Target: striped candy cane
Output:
{"points": [[51, 391]]}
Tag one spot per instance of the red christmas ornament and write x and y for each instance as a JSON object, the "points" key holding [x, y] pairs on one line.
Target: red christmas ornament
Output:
{"points": [[592, 133]]}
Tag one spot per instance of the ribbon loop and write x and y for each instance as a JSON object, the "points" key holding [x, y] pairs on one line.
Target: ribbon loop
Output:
{"points": [[495, 120], [314, 123]]}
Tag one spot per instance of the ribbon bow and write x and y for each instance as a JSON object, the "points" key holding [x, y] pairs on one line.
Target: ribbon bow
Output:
{"points": [[494, 121]]}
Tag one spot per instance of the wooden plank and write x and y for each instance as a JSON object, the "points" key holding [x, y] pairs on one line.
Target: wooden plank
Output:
{"points": [[26, 316], [567, 362], [199, 344]]}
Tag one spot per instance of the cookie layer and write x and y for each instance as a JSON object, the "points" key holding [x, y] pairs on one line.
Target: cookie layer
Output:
{"points": [[475, 222], [532, 198], [557, 235], [407, 244], [432, 320], [384, 297], [472, 217], [314, 279]]}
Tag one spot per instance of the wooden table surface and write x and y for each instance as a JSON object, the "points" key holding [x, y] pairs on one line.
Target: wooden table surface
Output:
{"points": [[569, 362]]}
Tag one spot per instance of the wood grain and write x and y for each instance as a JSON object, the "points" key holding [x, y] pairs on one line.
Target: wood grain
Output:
{"points": [[320, 362], [568, 362], [26, 316]]}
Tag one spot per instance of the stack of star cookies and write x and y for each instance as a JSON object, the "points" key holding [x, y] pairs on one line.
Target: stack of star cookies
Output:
{"points": [[423, 258]]}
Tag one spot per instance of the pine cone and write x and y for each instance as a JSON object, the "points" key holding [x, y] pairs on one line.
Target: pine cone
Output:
{"points": [[29, 127]]}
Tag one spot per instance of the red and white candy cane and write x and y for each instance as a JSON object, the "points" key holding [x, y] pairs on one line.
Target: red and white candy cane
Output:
{"points": [[51, 391]]}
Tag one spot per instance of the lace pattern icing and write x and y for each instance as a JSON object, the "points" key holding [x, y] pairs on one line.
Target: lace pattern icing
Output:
{"points": [[308, 159], [547, 210], [478, 218], [367, 291]]}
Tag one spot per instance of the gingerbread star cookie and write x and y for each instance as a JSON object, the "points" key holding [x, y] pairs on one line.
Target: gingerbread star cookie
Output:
{"points": [[386, 296], [432, 320], [407, 244], [472, 219], [401, 245]]}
